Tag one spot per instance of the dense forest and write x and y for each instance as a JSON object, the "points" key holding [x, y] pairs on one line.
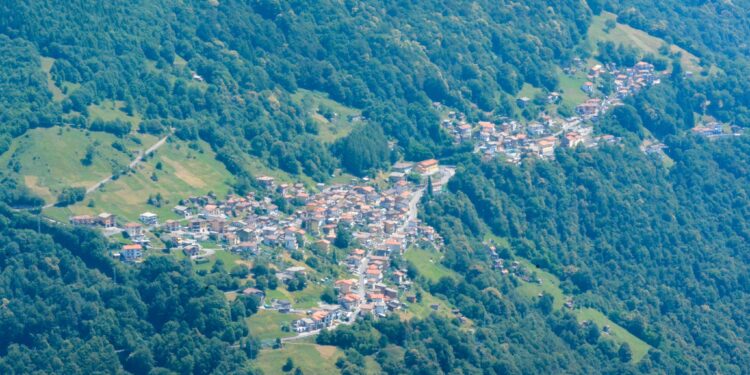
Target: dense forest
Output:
{"points": [[389, 59], [660, 250], [68, 308]]}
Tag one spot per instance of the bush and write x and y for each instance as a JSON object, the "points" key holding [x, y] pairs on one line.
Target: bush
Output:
{"points": [[70, 195]]}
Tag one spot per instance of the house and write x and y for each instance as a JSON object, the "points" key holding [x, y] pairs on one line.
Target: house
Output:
{"points": [[522, 102], [172, 225], [134, 230], [572, 140], [265, 181], [131, 253], [375, 297], [464, 131], [283, 306], [107, 220], [427, 167], [345, 286], [82, 220], [350, 301], [395, 245], [210, 211], [304, 325], [587, 87], [182, 211], [396, 176], [290, 239], [198, 226], [321, 319], [247, 247], [149, 218], [403, 167], [322, 245], [191, 250], [231, 239], [547, 146], [374, 275]]}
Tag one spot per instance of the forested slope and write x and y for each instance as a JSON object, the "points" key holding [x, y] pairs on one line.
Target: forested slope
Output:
{"points": [[62, 311], [390, 59], [662, 252]]}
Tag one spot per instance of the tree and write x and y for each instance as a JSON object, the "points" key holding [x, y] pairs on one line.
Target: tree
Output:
{"points": [[625, 353], [365, 149], [328, 295], [343, 236], [88, 159], [70, 195], [592, 333], [546, 303], [288, 365]]}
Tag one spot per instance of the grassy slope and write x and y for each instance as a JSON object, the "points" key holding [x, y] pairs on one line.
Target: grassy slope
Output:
{"points": [[332, 130], [428, 264], [109, 110], [311, 358], [550, 285], [572, 95], [46, 170], [184, 172], [617, 333], [301, 299], [266, 324], [636, 38], [229, 258]]}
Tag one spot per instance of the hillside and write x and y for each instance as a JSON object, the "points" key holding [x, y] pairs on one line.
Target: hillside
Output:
{"points": [[373, 186]]}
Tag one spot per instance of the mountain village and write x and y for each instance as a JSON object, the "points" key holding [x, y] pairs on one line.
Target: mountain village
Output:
{"points": [[381, 220], [512, 139]]}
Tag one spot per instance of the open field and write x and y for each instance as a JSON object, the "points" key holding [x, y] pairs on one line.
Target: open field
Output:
{"points": [[310, 358], [300, 299], [46, 170], [423, 309], [639, 39], [229, 258], [550, 285], [428, 264], [266, 324], [109, 110], [332, 117], [184, 172], [572, 95], [617, 333]]}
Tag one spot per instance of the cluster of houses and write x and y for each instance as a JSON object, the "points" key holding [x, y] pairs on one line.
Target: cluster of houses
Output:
{"points": [[514, 140], [382, 221], [626, 82], [715, 129]]}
